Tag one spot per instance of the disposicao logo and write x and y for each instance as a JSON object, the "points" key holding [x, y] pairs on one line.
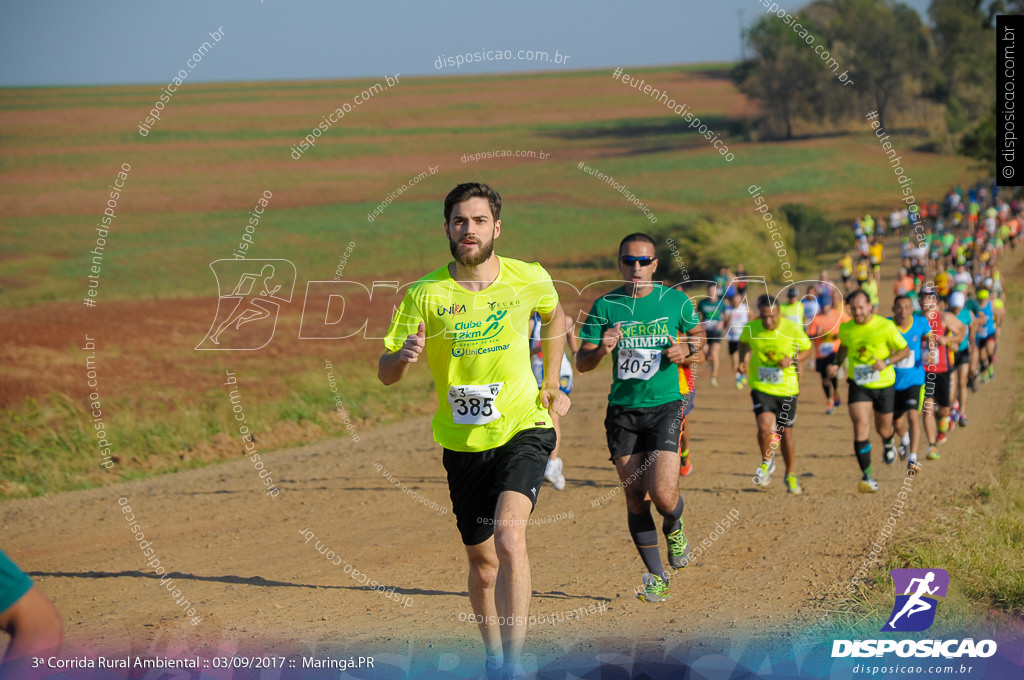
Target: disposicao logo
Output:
{"points": [[917, 597], [914, 609]]}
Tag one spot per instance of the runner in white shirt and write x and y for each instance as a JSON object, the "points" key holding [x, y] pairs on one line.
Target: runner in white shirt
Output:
{"points": [[736, 317]]}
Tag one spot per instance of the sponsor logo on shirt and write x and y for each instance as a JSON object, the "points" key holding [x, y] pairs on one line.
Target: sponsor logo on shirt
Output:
{"points": [[451, 310], [507, 304], [637, 334]]}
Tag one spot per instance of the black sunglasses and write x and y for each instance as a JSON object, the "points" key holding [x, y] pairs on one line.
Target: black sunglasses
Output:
{"points": [[632, 259]]}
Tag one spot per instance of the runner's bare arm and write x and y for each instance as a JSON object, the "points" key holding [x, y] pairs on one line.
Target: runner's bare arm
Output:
{"points": [[790, 361], [590, 355], [833, 370], [895, 357], [744, 357], [570, 336], [957, 329], [689, 349], [698, 339], [393, 365]]}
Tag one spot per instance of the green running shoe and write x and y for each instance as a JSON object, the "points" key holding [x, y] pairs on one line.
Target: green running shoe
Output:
{"points": [[793, 486], [655, 589], [678, 549]]}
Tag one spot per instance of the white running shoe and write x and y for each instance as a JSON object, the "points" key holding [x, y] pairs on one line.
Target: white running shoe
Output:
{"points": [[763, 475], [553, 474], [868, 485]]}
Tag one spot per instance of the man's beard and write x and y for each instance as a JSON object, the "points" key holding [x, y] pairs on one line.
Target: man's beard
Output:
{"points": [[485, 252]]}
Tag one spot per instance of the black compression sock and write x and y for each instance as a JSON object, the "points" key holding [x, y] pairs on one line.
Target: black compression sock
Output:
{"points": [[671, 521], [863, 451], [645, 537]]}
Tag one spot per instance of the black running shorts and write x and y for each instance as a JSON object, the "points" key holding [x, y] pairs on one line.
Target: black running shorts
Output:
{"points": [[936, 388], [883, 399], [784, 408], [909, 399], [476, 478], [642, 430]]}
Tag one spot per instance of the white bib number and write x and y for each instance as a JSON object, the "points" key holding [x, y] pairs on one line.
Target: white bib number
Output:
{"points": [[769, 375], [638, 364], [474, 404], [864, 374], [908, 362]]}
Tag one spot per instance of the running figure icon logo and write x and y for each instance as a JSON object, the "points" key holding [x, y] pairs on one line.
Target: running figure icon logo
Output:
{"points": [[250, 294], [917, 593]]}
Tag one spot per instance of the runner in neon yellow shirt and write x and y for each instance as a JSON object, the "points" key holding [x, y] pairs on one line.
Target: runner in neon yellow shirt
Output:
{"points": [[475, 341], [873, 344], [793, 309], [771, 348], [470, 317]]}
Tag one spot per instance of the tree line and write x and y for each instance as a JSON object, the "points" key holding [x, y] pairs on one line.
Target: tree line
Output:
{"points": [[836, 60]]}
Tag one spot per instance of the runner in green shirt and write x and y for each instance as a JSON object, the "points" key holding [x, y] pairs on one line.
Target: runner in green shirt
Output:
{"points": [[712, 309], [771, 349], [873, 344], [638, 325]]}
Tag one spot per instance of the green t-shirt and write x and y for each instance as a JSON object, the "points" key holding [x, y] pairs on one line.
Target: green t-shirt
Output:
{"points": [[479, 352], [767, 349], [711, 312], [865, 344], [641, 375], [14, 583]]}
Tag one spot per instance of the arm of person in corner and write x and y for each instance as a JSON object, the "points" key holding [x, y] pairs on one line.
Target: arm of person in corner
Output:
{"points": [[36, 630]]}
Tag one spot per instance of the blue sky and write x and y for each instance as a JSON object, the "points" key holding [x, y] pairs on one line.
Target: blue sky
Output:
{"points": [[75, 42]]}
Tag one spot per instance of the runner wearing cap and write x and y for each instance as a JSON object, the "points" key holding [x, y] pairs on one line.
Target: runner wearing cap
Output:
{"points": [[987, 337]]}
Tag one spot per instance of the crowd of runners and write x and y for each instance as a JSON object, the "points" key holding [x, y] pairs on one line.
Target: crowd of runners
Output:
{"points": [[495, 336]]}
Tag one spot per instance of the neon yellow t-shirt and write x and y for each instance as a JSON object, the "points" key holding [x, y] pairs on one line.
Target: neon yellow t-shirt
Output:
{"points": [[871, 288], [792, 311], [478, 350], [865, 344], [767, 349]]}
